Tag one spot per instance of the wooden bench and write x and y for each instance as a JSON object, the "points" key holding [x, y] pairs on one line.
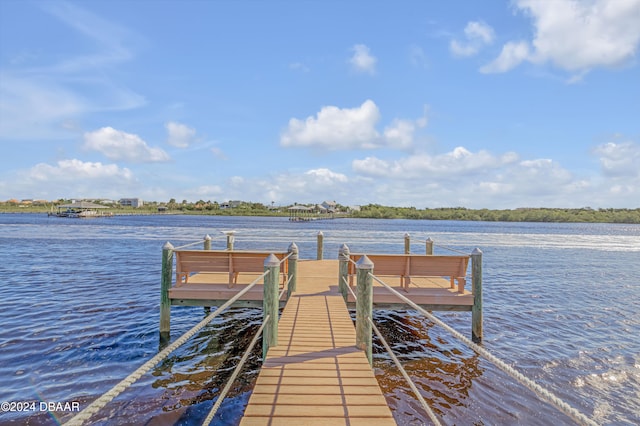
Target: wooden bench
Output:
{"points": [[406, 266], [189, 262]]}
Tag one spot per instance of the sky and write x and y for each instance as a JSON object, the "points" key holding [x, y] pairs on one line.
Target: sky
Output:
{"points": [[493, 104]]}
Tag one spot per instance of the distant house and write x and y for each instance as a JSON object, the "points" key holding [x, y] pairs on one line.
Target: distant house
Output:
{"points": [[330, 206], [231, 204], [131, 202]]}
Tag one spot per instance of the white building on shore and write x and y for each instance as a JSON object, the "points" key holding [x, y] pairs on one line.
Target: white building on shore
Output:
{"points": [[131, 202]]}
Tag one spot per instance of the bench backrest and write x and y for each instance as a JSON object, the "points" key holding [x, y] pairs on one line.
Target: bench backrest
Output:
{"points": [[415, 265], [189, 261], [244, 261], [233, 262]]}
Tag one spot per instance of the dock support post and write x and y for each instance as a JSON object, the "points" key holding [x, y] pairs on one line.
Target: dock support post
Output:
{"points": [[364, 307], [207, 246], [230, 239], [165, 285], [429, 246], [293, 269], [407, 244], [320, 245], [270, 303], [476, 310], [343, 268]]}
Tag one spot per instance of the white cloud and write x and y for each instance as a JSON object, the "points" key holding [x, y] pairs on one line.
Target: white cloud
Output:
{"points": [[513, 53], [311, 186], [478, 35], [336, 128], [179, 135], [575, 36], [538, 172], [118, 145], [325, 176], [619, 159], [459, 162], [70, 170], [400, 133], [69, 178], [350, 128], [480, 179], [362, 60]]}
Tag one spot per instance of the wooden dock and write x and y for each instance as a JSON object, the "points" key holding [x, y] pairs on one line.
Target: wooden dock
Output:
{"points": [[316, 369], [316, 375]]}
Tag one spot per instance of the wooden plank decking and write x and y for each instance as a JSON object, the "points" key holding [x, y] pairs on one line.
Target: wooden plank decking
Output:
{"points": [[316, 376]]}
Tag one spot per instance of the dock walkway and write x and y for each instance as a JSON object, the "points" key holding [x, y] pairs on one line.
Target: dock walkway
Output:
{"points": [[316, 375]]}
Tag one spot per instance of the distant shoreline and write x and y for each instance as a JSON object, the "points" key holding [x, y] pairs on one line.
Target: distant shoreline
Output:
{"points": [[542, 215]]}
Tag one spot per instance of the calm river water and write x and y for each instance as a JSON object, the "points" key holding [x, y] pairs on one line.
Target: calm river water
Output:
{"points": [[80, 299]]}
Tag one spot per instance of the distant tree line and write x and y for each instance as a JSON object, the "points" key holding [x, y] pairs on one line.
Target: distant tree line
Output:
{"points": [[585, 214], [370, 211]]}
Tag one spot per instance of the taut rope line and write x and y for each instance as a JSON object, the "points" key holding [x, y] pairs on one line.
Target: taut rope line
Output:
{"points": [[413, 387], [235, 373], [576, 415], [99, 403]]}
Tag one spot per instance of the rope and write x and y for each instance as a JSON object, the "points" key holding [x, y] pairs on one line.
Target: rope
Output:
{"points": [[574, 414], [189, 245], [413, 387], [351, 290], [451, 249], [235, 373], [99, 403]]}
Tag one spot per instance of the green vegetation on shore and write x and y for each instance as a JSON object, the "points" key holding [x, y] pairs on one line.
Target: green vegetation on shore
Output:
{"points": [[517, 215], [370, 211]]}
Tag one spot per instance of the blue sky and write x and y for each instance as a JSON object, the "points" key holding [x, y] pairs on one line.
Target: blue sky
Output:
{"points": [[525, 103]]}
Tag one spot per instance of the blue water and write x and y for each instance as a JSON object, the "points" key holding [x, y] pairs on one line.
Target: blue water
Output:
{"points": [[80, 299]]}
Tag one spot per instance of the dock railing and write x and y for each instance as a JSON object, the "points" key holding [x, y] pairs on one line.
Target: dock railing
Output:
{"points": [[168, 268], [346, 264], [365, 326], [270, 322]]}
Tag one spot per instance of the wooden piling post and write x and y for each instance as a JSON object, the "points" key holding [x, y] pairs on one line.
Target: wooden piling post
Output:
{"points": [[429, 246], [476, 310], [364, 306], [230, 239], [207, 246], [270, 303], [320, 245], [165, 285], [343, 271], [293, 269], [407, 244]]}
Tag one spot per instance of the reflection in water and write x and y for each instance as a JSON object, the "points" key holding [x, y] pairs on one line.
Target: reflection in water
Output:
{"points": [[80, 313], [183, 388], [443, 370]]}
